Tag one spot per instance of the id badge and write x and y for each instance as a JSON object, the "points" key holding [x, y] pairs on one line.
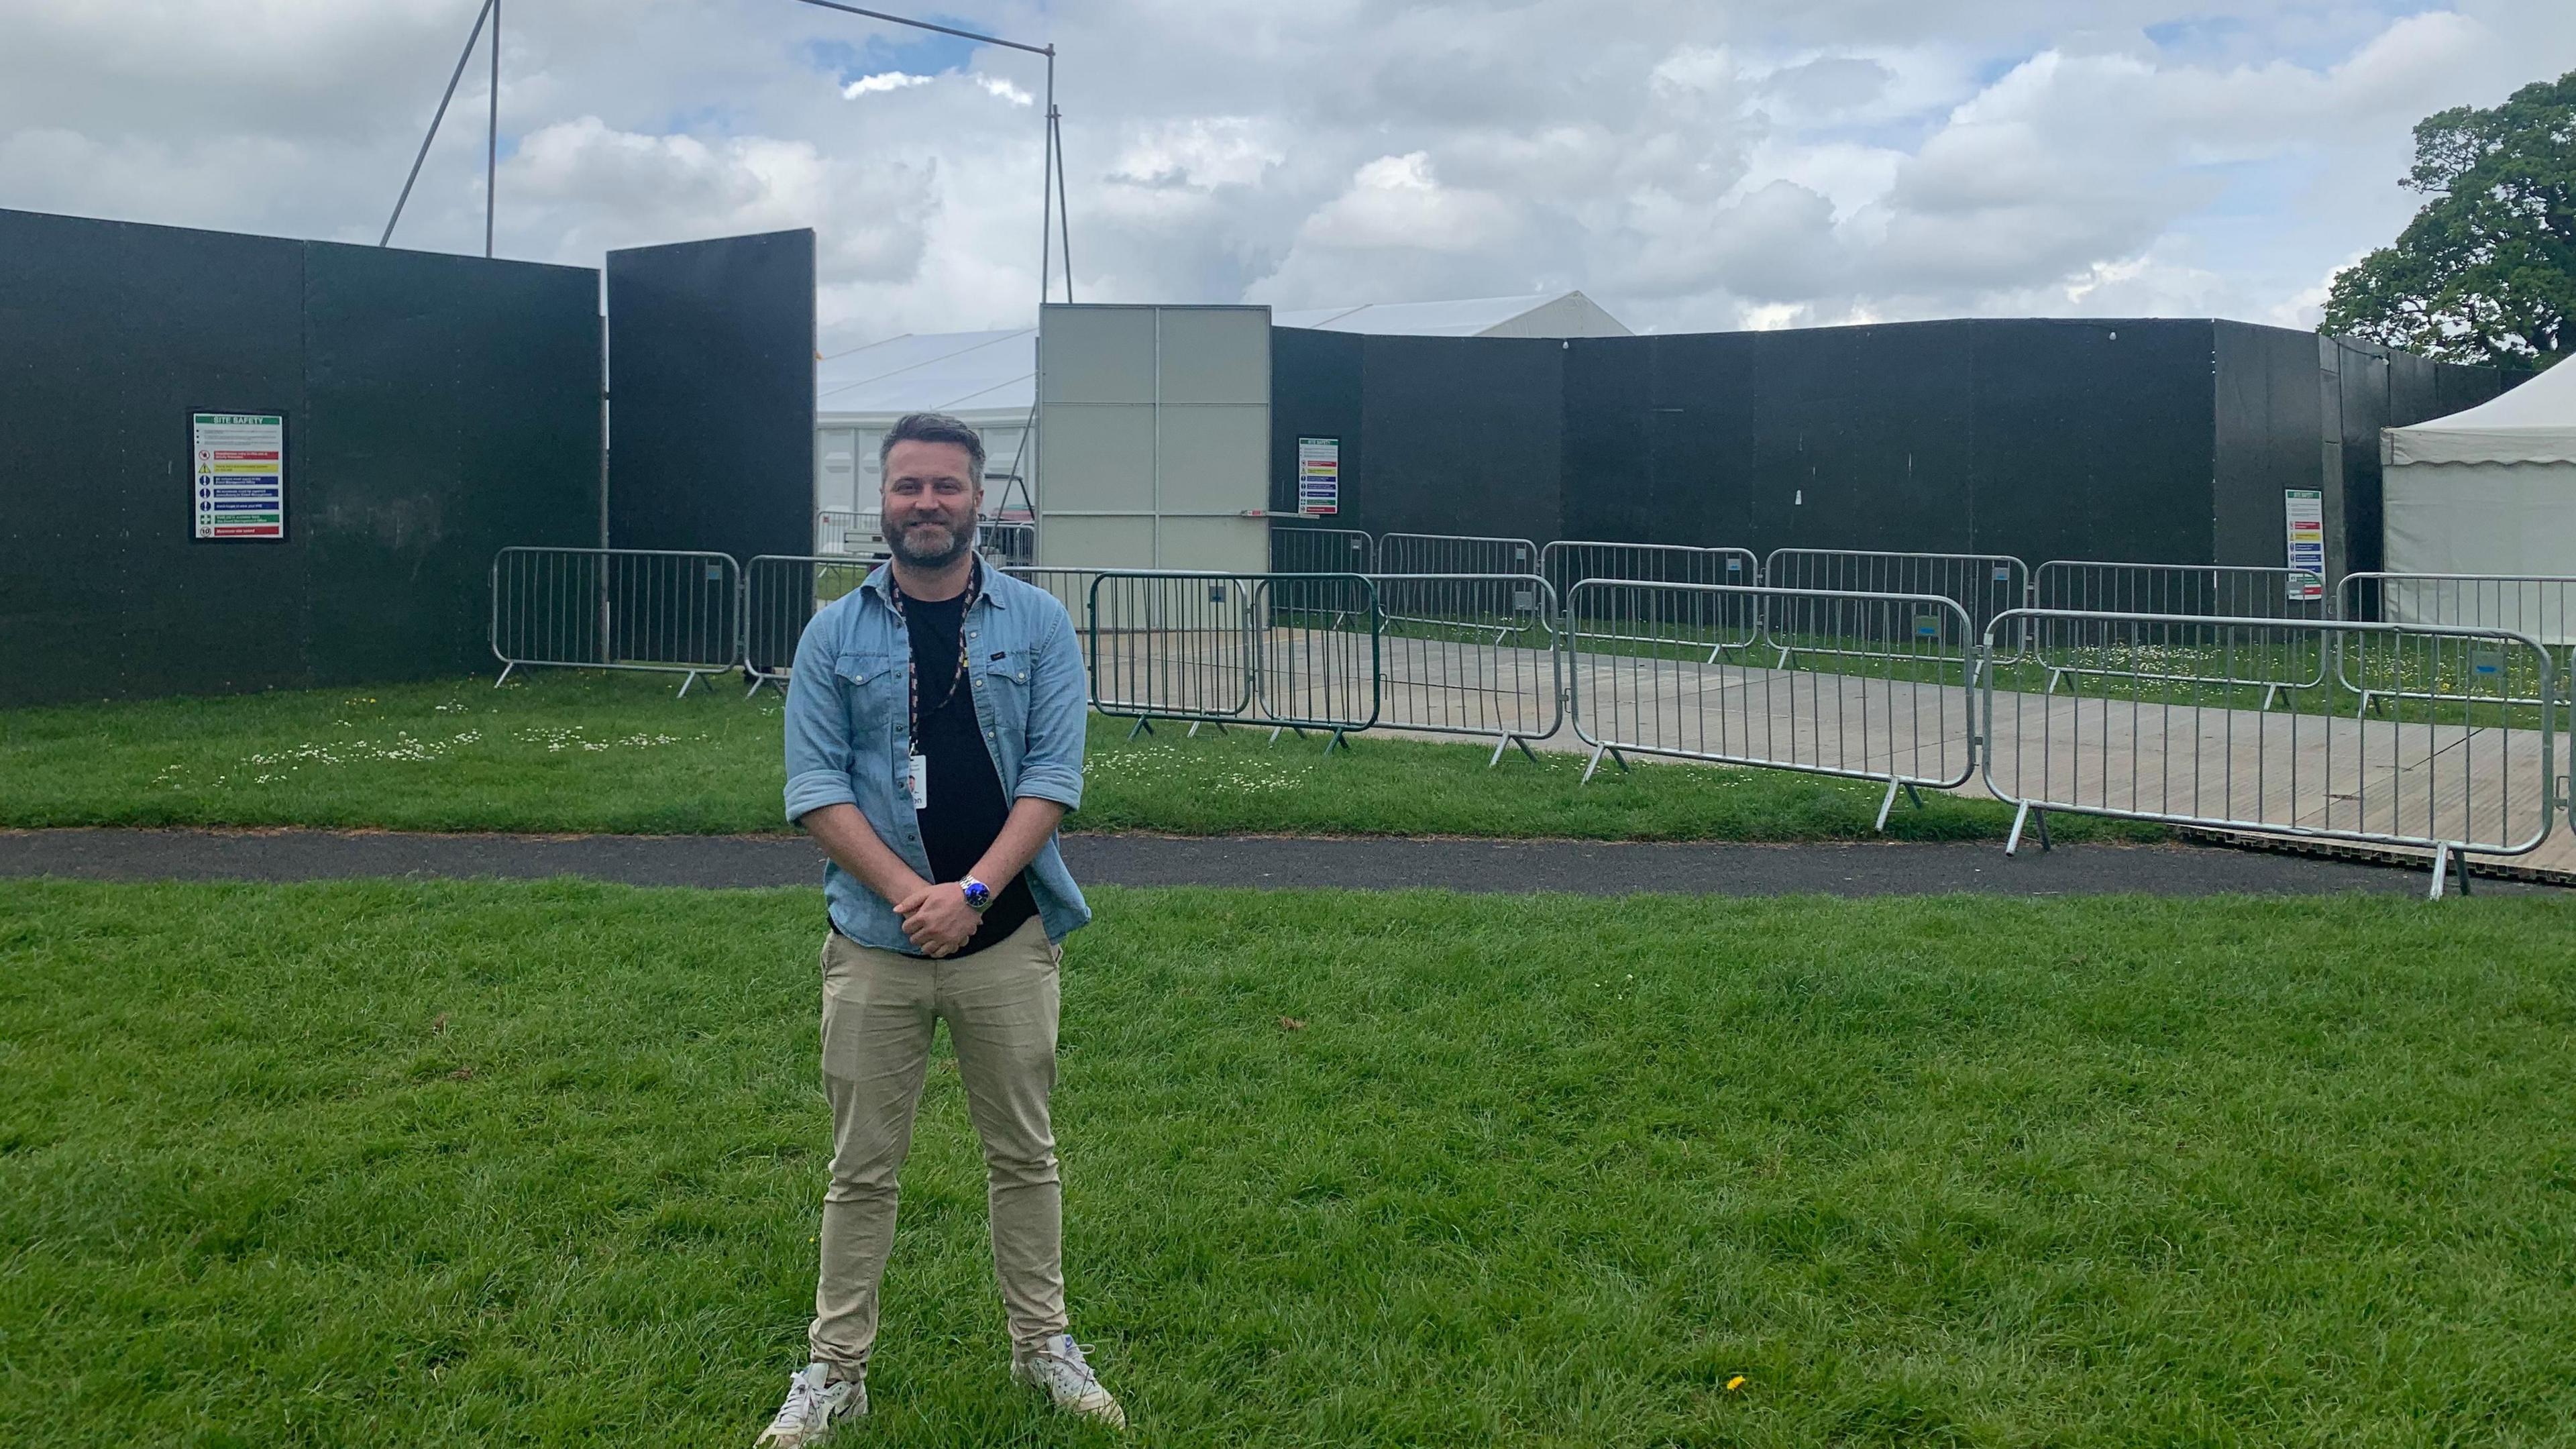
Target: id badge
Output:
{"points": [[920, 769]]}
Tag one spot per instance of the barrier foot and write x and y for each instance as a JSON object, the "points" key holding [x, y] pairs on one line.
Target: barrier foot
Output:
{"points": [[2052, 681], [2270, 692], [1911, 795], [505, 673], [1886, 803], [685, 683], [2021, 816], [757, 681], [1215, 724], [1597, 752], [1782, 662], [1144, 726], [2449, 863], [1336, 739]]}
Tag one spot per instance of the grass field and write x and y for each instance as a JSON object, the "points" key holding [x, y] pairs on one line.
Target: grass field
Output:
{"points": [[391, 1164], [569, 751]]}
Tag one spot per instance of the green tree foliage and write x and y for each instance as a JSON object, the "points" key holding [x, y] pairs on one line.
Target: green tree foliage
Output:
{"points": [[2486, 272]]}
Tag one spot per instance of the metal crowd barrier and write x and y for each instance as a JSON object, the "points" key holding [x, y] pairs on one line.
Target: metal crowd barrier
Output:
{"points": [[1453, 553], [781, 593], [1736, 619], [2461, 766], [1011, 545], [1489, 668], [1447, 553], [2541, 607], [1214, 648], [2191, 590], [1642, 680], [1298, 549], [1983, 585], [662, 610]]}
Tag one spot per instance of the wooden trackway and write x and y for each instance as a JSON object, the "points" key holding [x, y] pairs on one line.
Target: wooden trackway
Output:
{"points": [[2264, 772]]}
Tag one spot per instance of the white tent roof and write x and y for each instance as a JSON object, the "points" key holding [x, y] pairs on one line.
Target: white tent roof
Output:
{"points": [[945, 372], [996, 372], [1538, 314], [2533, 423]]}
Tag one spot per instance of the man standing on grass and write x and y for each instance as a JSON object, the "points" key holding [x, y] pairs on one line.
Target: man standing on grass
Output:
{"points": [[934, 739]]}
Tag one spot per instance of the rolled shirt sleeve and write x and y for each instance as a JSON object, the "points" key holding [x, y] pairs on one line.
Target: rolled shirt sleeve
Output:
{"points": [[817, 724], [1059, 709]]}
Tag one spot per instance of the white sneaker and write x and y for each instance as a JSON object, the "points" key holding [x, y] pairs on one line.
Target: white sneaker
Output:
{"points": [[815, 1402], [1057, 1368]]}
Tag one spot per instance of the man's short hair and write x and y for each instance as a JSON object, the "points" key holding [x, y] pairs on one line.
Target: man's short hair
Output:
{"points": [[935, 428]]}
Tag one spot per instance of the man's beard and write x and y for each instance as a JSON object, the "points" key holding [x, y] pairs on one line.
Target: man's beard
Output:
{"points": [[901, 542]]}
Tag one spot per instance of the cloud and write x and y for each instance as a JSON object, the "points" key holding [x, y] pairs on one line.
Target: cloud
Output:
{"points": [[1771, 162], [882, 81]]}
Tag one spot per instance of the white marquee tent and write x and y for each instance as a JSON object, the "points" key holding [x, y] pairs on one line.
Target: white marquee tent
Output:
{"points": [[2487, 491], [2490, 491]]}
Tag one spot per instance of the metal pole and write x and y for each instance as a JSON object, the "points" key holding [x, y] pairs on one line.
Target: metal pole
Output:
{"points": [[1046, 194], [1063, 207], [492, 136], [444, 97], [926, 25]]}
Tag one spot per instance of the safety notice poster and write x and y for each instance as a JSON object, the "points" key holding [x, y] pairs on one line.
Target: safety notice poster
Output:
{"points": [[1319, 476], [2305, 509], [241, 475]]}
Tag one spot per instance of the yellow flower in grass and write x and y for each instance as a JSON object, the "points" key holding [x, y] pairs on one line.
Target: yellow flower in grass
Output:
{"points": [[1735, 1383]]}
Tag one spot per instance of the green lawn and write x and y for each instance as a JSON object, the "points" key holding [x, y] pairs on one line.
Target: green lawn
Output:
{"points": [[564, 751], [389, 1164]]}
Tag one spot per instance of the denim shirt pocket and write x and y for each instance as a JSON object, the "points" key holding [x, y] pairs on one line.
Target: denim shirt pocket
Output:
{"points": [[1006, 688], [875, 681]]}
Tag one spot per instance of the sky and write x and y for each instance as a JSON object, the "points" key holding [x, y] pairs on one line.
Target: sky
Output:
{"points": [[1691, 165]]}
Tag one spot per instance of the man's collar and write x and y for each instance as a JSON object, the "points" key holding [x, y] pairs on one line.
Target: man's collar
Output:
{"points": [[880, 580]]}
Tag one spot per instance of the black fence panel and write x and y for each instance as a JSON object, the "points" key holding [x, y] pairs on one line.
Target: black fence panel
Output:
{"points": [[711, 395], [430, 419]]}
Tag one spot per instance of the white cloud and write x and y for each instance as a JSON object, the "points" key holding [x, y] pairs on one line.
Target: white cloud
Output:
{"points": [[1772, 161], [882, 81]]}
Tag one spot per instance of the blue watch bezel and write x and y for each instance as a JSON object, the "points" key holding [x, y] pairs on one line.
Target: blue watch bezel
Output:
{"points": [[978, 895]]}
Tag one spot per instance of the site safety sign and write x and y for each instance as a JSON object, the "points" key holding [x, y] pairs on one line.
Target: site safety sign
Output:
{"points": [[240, 475]]}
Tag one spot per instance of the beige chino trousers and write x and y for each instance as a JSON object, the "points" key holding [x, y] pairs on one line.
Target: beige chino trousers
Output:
{"points": [[880, 1009]]}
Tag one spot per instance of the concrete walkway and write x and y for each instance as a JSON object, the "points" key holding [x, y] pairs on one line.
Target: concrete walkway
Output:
{"points": [[1606, 868]]}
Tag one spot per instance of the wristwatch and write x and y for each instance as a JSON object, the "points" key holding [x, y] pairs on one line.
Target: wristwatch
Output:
{"points": [[979, 896]]}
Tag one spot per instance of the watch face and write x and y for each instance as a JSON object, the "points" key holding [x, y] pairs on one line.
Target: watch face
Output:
{"points": [[978, 894]]}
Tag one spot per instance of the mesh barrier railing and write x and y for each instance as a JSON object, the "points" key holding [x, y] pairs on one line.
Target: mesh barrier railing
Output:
{"points": [[1896, 705], [1274, 649], [1474, 654], [1735, 621], [2540, 607], [1983, 585], [780, 595], [1303, 550], [664, 611], [2460, 764], [2186, 590]]}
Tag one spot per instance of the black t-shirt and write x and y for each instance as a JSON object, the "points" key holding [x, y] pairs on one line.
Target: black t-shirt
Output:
{"points": [[967, 806]]}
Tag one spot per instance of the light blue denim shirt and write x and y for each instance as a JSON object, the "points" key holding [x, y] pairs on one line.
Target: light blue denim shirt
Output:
{"points": [[849, 733]]}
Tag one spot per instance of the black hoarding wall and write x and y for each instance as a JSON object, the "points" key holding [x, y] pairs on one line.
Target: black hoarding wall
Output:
{"points": [[1315, 393], [711, 395], [2093, 439], [2271, 400], [1438, 434], [2037, 438], [437, 408], [2144, 440]]}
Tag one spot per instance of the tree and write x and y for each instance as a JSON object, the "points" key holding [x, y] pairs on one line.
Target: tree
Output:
{"points": [[2486, 272]]}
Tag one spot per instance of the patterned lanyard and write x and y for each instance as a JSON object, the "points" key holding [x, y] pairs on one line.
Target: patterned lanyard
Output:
{"points": [[912, 676]]}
